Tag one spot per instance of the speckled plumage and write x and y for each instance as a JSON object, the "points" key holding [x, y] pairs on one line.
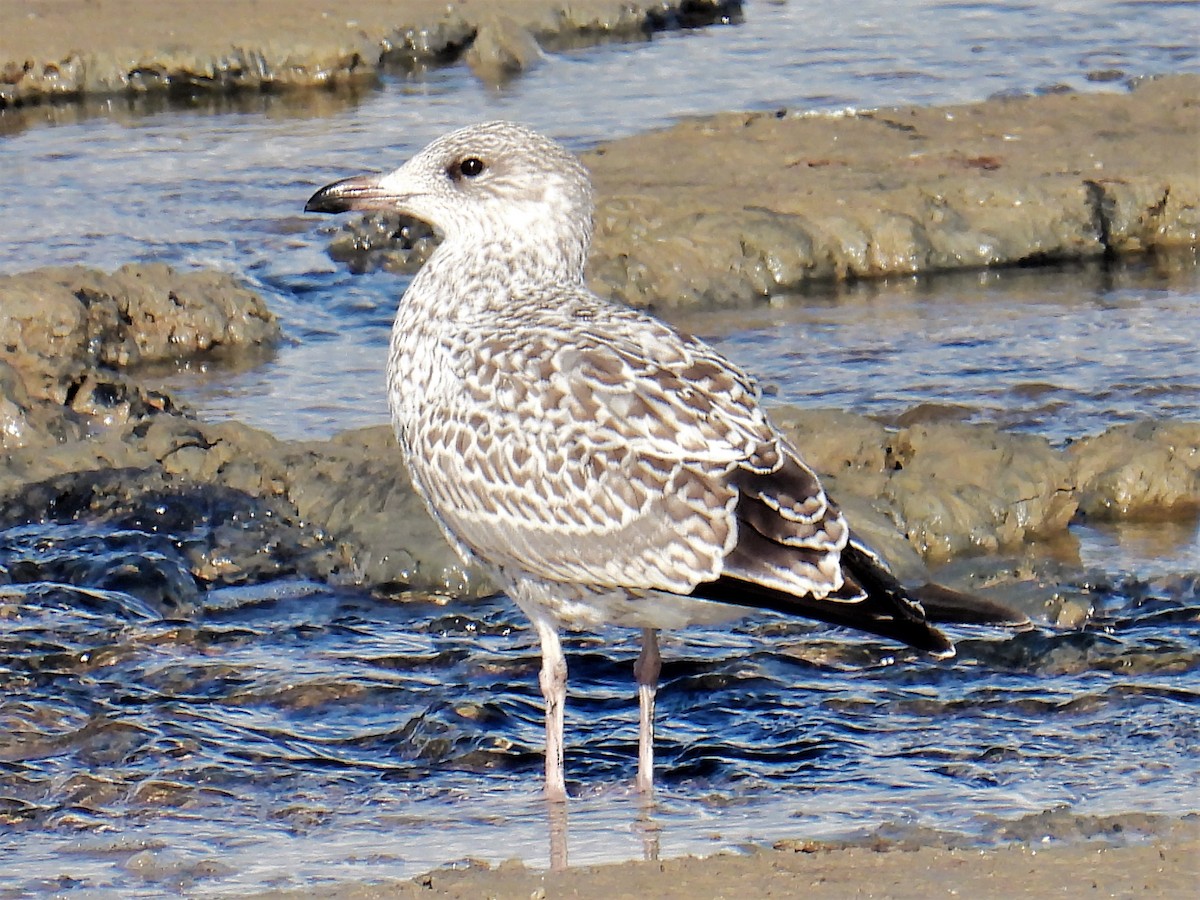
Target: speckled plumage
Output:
{"points": [[605, 467]]}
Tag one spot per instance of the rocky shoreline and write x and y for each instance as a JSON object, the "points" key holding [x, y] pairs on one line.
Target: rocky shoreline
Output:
{"points": [[87, 440], [54, 52]]}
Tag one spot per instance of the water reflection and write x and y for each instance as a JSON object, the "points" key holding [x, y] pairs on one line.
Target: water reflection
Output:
{"points": [[132, 110]]}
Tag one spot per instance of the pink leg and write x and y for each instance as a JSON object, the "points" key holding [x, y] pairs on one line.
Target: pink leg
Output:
{"points": [[553, 680], [646, 670]]}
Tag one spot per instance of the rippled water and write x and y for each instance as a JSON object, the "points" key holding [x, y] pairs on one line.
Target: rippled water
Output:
{"points": [[288, 734], [157, 738]]}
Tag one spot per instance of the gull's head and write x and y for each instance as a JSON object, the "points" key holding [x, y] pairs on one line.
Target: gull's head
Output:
{"points": [[494, 184]]}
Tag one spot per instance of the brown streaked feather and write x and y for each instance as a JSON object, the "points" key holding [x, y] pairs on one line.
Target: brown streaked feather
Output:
{"points": [[621, 463]]}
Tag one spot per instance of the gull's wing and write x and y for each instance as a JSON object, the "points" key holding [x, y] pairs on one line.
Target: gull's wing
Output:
{"points": [[592, 444]]}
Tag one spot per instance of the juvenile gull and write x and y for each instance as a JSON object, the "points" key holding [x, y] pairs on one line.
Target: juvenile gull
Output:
{"points": [[603, 466]]}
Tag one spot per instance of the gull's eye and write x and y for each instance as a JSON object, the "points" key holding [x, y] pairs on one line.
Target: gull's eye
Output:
{"points": [[471, 167]]}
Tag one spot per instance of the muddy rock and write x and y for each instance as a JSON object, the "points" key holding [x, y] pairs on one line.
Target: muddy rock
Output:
{"points": [[729, 208], [950, 488], [434, 43], [382, 240], [839, 444], [23, 421], [501, 50], [243, 506], [53, 52], [356, 490], [1141, 470], [58, 323], [968, 489]]}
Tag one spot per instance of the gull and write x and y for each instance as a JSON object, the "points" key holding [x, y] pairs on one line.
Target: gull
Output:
{"points": [[604, 467]]}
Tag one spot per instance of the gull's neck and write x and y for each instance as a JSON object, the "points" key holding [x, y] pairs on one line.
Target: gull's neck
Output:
{"points": [[461, 278]]}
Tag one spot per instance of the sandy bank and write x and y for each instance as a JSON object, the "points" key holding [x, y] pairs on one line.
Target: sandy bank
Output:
{"points": [[1161, 868]]}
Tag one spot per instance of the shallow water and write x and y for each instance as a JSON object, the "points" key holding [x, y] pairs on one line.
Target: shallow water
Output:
{"points": [[276, 721], [287, 734], [154, 738], [1062, 352]]}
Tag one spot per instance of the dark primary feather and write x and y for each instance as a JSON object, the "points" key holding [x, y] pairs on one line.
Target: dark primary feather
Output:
{"points": [[871, 600], [948, 606]]}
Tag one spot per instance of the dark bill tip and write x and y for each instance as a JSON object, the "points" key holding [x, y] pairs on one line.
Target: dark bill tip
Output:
{"points": [[360, 192]]}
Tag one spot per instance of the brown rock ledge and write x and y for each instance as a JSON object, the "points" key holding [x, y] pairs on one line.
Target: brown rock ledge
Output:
{"points": [[732, 209], [68, 334], [726, 209], [68, 49]]}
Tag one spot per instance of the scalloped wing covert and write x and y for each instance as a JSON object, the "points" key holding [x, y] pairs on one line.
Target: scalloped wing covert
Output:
{"points": [[590, 444]]}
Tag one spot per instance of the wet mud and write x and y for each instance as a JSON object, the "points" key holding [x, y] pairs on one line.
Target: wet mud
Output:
{"points": [[811, 869], [51, 52]]}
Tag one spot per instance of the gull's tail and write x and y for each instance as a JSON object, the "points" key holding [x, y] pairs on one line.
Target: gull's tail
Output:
{"points": [[872, 600]]}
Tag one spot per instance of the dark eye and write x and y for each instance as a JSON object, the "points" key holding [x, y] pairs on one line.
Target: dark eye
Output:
{"points": [[471, 167]]}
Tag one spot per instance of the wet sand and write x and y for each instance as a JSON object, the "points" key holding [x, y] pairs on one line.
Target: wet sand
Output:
{"points": [[1166, 867], [37, 34]]}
